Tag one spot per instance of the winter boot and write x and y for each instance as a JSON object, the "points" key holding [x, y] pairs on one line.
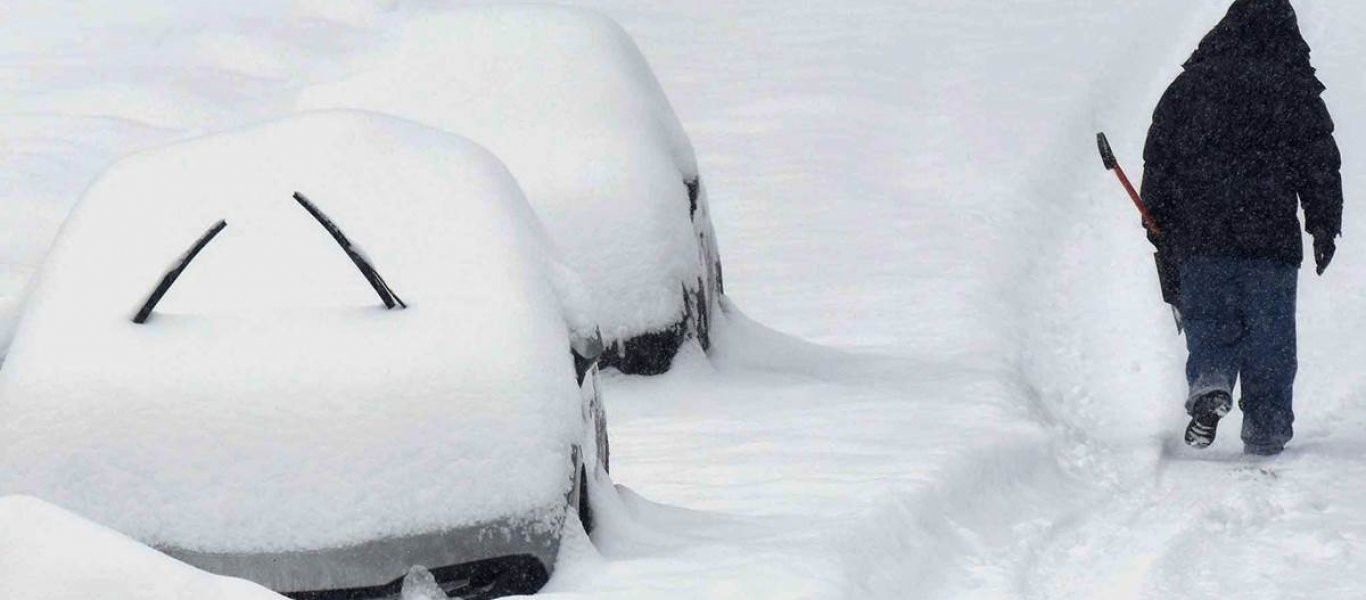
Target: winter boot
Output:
{"points": [[1205, 414]]}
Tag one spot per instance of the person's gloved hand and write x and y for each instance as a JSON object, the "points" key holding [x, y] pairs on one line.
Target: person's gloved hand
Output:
{"points": [[1324, 249]]}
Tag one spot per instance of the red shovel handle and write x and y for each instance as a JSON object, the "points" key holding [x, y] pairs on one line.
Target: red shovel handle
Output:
{"points": [[1108, 157]]}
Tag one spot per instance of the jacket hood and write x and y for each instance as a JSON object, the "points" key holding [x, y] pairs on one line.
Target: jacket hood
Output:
{"points": [[1262, 30]]}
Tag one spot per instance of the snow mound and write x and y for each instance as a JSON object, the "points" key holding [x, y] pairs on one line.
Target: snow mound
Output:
{"points": [[566, 99], [47, 553], [271, 402], [9, 313]]}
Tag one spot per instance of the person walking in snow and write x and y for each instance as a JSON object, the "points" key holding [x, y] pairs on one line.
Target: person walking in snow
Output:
{"points": [[1239, 142]]}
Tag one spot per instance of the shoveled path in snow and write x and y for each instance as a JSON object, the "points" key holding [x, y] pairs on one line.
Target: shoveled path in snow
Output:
{"points": [[1166, 521]]}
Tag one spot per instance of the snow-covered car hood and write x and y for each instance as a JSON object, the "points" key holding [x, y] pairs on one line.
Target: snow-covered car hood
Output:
{"points": [[271, 402], [568, 101]]}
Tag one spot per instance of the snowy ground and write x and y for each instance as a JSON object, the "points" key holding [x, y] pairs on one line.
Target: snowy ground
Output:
{"points": [[912, 185]]}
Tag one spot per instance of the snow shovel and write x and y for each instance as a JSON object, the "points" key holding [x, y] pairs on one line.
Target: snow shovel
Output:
{"points": [[1168, 268]]}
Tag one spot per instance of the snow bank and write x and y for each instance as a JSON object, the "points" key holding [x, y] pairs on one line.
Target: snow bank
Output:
{"points": [[47, 553], [9, 310], [566, 99], [10, 306], [271, 403]]}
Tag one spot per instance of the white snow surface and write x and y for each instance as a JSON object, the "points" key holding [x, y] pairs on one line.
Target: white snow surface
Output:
{"points": [[271, 402], [566, 99], [994, 407], [47, 553]]}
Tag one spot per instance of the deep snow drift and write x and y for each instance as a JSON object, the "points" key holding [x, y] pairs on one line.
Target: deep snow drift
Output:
{"points": [[911, 179], [47, 553]]}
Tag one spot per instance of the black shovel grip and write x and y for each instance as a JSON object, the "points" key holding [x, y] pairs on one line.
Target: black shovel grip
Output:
{"points": [[1107, 155]]}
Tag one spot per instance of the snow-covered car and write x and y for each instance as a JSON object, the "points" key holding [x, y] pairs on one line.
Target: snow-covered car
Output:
{"points": [[566, 99], [257, 412]]}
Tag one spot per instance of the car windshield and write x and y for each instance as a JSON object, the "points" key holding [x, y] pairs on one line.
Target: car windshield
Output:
{"points": [[354, 252]]}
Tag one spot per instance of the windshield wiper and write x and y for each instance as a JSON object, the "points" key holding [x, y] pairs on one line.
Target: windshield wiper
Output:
{"points": [[358, 257], [174, 273]]}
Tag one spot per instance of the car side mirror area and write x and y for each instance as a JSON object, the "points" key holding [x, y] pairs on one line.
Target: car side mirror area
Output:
{"points": [[586, 350]]}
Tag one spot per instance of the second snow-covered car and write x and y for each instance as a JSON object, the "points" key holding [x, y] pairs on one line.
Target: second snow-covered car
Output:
{"points": [[363, 357], [567, 100]]}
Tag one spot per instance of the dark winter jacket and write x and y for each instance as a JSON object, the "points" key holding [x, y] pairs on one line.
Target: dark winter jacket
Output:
{"points": [[1241, 140]]}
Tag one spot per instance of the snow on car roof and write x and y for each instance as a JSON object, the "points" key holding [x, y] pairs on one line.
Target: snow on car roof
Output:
{"points": [[566, 99], [47, 553], [271, 402]]}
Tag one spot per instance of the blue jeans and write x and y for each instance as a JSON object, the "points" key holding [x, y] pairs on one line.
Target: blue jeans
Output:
{"points": [[1240, 323]]}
